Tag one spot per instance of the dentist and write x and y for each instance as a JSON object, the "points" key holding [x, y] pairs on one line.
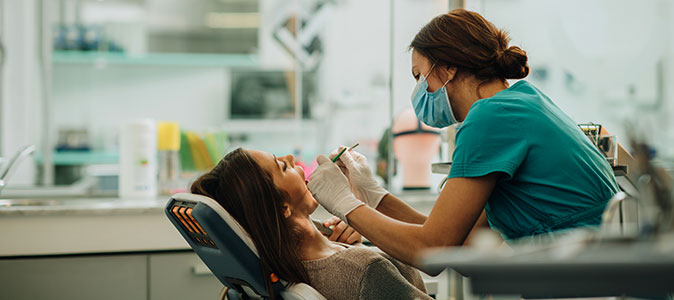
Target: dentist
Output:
{"points": [[520, 163]]}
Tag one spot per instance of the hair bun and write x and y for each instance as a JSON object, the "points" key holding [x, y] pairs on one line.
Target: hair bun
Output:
{"points": [[467, 41], [512, 63]]}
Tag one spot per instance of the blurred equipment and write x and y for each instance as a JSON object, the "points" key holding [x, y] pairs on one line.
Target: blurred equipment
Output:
{"points": [[382, 156], [656, 194], [82, 37], [201, 26], [73, 139], [414, 145], [266, 94], [607, 144], [448, 138], [301, 40], [71, 142]]}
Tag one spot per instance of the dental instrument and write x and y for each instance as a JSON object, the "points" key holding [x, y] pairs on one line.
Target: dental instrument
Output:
{"points": [[319, 225], [342, 152]]}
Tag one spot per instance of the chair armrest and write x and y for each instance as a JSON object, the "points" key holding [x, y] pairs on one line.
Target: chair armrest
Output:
{"points": [[301, 291]]}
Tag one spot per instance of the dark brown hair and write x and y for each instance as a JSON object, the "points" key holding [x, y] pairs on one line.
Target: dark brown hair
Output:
{"points": [[248, 193], [467, 41]]}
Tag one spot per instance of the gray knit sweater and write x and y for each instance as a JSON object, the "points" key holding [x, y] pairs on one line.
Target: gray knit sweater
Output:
{"points": [[359, 272]]}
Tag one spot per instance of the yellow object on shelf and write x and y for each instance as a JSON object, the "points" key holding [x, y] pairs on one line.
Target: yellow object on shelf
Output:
{"points": [[213, 152], [168, 136], [200, 154]]}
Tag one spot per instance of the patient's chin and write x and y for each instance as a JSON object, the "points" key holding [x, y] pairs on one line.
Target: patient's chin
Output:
{"points": [[314, 205]]}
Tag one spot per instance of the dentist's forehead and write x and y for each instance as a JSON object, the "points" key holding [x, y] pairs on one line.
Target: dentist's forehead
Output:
{"points": [[419, 60], [414, 61], [419, 64]]}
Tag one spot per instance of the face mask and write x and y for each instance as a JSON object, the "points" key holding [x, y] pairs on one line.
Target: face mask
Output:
{"points": [[432, 108]]}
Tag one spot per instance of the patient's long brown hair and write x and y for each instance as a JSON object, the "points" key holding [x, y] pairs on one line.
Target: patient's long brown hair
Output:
{"points": [[249, 194]]}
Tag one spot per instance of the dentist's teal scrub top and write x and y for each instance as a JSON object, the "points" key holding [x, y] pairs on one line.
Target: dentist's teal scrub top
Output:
{"points": [[554, 177]]}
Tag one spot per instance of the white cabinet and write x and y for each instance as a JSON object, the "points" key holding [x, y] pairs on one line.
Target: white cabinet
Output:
{"points": [[180, 276], [173, 275], [84, 277]]}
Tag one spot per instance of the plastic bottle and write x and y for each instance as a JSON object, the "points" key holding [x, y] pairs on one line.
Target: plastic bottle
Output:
{"points": [[168, 144], [138, 160]]}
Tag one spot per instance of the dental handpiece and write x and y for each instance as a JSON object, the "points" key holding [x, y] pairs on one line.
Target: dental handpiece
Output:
{"points": [[342, 152], [319, 225]]}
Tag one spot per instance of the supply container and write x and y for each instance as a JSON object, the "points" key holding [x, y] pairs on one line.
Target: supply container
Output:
{"points": [[138, 159], [168, 145]]}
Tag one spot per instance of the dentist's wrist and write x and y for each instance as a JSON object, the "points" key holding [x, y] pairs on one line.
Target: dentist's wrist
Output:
{"points": [[374, 196], [354, 212], [342, 215]]}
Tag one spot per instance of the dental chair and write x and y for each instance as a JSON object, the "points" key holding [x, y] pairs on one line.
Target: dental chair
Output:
{"points": [[226, 248]]}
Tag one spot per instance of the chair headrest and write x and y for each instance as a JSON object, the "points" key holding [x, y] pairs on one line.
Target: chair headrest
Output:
{"points": [[199, 219], [215, 206]]}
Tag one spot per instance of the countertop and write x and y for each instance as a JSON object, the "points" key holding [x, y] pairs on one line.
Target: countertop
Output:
{"points": [[107, 225], [111, 206], [88, 206]]}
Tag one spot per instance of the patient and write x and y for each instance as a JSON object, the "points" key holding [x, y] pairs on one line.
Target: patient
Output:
{"points": [[268, 196]]}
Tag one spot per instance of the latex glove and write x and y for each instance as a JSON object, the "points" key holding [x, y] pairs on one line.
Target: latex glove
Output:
{"points": [[361, 178], [331, 189], [341, 232]]}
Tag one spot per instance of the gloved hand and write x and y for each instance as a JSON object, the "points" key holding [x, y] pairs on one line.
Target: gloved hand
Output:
{"points": [[361, 179], [331, 189]]}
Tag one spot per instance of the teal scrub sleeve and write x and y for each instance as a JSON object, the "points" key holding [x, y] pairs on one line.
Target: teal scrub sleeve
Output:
{"points": [[491, 139]]}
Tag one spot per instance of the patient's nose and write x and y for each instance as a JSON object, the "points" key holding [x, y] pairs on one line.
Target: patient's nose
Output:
{"points": [[290, 159]]}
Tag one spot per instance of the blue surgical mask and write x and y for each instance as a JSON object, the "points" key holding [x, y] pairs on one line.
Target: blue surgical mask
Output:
{"points": [[432, 108]]}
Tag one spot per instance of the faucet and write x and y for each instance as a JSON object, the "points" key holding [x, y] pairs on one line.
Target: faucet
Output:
{"points": [[11, 164]]}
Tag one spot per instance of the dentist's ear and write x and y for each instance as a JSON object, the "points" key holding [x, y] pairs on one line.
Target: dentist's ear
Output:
{"points": [[286, 210], [451, 73]]}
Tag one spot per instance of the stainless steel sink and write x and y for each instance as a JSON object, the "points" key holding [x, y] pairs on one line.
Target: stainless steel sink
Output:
{"points": [[78, 189]]}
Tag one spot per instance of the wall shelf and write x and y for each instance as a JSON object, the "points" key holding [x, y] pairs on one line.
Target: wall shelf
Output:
{"points": [[75, 158], [155, 59]]}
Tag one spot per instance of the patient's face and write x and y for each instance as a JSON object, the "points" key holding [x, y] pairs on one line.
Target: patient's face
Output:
{"points": [[288, 177]]}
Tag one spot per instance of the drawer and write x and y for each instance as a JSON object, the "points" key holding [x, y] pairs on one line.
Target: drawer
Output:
{"points": [[85, 277], [181, 276]]}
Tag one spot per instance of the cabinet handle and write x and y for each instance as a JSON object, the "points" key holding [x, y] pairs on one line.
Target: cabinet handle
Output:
{"points": [[200, 269]]}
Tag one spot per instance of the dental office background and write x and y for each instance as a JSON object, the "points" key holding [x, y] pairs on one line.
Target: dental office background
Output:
{"points": [[77, 68]]}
